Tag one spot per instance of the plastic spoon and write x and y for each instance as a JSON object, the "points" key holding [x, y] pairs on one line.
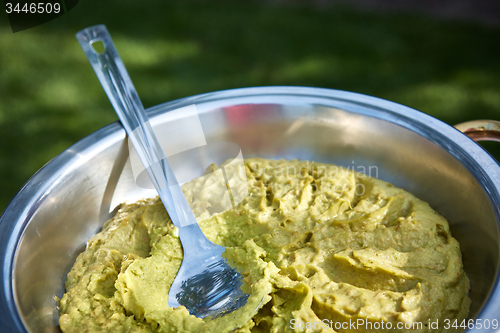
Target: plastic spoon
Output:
{"points": [[205, 284]]}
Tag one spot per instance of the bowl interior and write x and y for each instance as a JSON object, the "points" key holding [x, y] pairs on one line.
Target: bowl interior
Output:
{"points": [[81, 188]]}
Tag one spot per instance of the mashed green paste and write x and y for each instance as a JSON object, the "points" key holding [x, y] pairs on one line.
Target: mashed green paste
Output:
{"points": [[321, 248]]}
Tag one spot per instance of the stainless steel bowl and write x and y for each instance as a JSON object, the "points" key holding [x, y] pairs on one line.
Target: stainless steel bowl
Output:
{"points": [[49, 221]]}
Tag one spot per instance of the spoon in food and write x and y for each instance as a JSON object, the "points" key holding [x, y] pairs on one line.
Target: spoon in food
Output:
{"points": [[205, 284]]}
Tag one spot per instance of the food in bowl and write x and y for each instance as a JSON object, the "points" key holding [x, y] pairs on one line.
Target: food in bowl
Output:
{"points": [[329, 249]]}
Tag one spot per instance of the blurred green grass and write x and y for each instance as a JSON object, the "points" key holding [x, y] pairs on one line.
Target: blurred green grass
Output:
{"points": [[50, 97]]}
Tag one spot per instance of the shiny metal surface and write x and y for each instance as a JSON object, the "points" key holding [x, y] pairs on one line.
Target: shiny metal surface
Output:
{"points": [[65, 203]]}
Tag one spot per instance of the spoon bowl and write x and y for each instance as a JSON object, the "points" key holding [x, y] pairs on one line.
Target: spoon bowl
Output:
{"points": [[206, 284]]}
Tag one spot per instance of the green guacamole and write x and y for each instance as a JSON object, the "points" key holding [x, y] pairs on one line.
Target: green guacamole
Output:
{"points": [[319, 246]]}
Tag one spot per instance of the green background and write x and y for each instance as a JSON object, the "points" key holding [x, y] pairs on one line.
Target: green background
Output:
{"points": [[50, 97]]}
